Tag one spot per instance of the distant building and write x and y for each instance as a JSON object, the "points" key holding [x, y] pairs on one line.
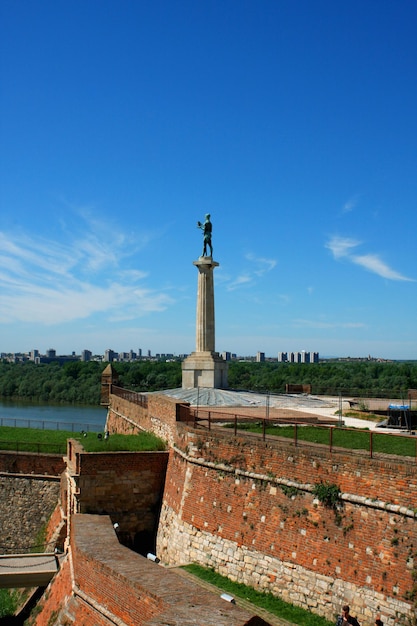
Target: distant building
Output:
{"points": [[227, 356], [298, 357], [86, 355], [110, 355], [33, 355], [50, 354], [260, 357]]}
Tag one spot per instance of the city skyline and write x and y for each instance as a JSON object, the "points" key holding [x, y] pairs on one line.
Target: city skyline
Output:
{"points": [[292, 124], [109, 355]]}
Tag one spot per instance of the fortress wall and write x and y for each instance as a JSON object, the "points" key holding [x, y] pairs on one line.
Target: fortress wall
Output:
{"points": [[26, 503], [101, 582], [160, 417], [246, 508], [128, 486], [126, 418], [56, 598], [31, 463]]}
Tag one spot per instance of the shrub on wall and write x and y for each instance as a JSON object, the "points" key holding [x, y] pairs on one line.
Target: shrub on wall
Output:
{"points": [[328, 494]]}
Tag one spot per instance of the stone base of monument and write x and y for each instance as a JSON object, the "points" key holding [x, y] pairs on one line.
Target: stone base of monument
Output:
{"points": [[204, 369]]}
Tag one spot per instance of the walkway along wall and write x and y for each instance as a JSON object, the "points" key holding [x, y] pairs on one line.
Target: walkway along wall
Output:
{"points": [[246, 507], [101, 582]]}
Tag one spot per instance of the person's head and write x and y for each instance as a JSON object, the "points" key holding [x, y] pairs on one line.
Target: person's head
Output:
{"points": [[379, 622], [207, 216], [345, 610]]}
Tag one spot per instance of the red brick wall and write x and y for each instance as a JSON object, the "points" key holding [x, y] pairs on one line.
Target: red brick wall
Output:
{"points": [[161, 416], [389, 478], [110, 580], [31, 463], [54, 524], [128, 486], [55, 598], [362, 543], [369, 542]]}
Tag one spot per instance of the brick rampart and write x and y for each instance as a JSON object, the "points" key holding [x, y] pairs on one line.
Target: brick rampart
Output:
{"points": [[160, 417], [31, 463], [247, 508], [102, 582], [128, 486]]}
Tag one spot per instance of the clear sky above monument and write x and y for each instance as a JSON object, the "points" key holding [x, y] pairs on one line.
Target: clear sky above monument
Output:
{"points": [[292, 123]]}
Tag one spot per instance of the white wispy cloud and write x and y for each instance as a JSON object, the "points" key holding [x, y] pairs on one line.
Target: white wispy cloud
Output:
{"points": [[258, 266], [50, 282], [350, 204], [342, 247]]}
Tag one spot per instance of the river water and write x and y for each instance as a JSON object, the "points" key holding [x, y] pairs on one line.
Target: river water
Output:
{"points": [[56, 417]]}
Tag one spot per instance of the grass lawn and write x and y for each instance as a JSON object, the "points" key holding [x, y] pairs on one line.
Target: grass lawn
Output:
{"points": [[267, 601], [55, 441], [350, 438], [9, 600]]}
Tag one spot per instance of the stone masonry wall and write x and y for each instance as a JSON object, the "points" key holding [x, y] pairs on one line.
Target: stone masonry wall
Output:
{"points": [[229, 496], [26, 503], [246, 508]]}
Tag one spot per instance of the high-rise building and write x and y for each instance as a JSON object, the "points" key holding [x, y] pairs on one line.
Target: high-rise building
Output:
{"points": [[86, 355], [33, 355], [110, 355], [298, 357]]}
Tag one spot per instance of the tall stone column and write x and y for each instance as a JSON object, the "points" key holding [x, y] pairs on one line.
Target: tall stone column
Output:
{"points": [[205, 367], [205, 325]]}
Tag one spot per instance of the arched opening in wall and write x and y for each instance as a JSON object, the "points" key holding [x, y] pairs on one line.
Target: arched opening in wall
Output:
{"points": [[144, 542]]}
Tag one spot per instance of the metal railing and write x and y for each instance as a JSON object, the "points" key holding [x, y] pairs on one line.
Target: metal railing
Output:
{"points": [[331, 436], [132, 396], [32, 447], [18, 422]]}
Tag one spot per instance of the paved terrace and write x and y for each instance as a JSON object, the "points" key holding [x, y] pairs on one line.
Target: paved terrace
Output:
{"points": [[293, 406]]}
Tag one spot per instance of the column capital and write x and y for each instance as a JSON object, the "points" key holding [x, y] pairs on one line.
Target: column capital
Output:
{"points": [[205, 262]]}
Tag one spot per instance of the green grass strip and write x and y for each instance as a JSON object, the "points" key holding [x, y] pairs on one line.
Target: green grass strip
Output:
{"points": [[267, 601], [55, 441], [351, 439]]}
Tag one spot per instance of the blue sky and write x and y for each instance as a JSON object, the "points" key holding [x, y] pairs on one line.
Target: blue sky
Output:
{"points": [[292, 122]]}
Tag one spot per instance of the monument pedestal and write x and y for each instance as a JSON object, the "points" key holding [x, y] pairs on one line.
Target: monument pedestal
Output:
{"points": [[205, 367]]}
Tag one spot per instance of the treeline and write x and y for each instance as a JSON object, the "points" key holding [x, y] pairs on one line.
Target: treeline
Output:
{"points": [[76, 382], [71, 383], [365, 379], [80, 383]]}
